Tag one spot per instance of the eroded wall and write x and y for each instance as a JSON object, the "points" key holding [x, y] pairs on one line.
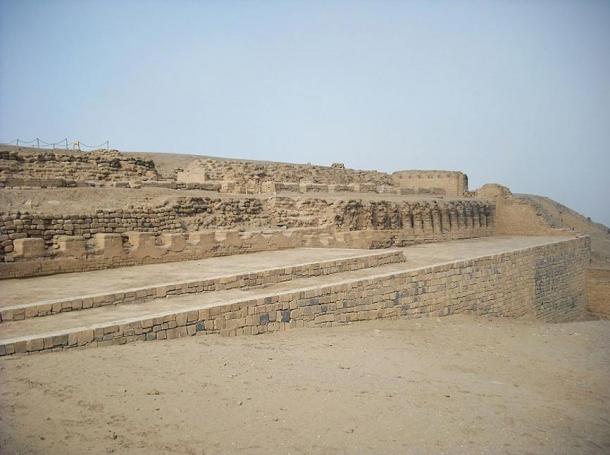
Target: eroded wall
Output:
{"points": [[52, 168], [255, 173], [598, 292], [32, 257], [447, 183], [427, 218]]}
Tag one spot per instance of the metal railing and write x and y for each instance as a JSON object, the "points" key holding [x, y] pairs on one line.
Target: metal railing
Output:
{"points": [[63, 144]]}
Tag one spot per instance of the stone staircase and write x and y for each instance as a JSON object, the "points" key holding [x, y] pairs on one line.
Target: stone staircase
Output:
{"points": [[170, 300], [512, 276]]}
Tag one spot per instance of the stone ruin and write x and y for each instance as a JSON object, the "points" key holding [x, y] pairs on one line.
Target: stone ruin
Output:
{"points": [[220, 208]]}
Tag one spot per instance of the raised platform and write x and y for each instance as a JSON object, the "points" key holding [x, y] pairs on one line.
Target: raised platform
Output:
{"points": [[506, 276], [76, 291]]}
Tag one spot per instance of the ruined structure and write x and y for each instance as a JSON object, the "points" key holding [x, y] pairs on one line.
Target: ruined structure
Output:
{"points": [[388, 235], [445, 183]]}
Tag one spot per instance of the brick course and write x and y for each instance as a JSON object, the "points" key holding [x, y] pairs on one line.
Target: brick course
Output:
{"points": [[546, 282]]}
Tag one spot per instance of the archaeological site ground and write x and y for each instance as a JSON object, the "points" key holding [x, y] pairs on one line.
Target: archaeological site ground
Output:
{"points": [[395, 312]]}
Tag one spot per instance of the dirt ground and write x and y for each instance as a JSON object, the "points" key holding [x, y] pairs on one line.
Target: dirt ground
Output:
{"points": [[453, 385]]}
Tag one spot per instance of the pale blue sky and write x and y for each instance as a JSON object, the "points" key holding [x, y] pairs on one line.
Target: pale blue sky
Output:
{"points": [[515, 92]]}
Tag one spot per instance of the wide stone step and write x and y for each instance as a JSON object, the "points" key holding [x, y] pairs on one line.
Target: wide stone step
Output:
{"points": [[540, 277], [189, 277], [224, 312]]}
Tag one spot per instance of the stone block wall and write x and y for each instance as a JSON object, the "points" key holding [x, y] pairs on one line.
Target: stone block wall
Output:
{"points": [[236, 281], [598, 292], [506, 284]]}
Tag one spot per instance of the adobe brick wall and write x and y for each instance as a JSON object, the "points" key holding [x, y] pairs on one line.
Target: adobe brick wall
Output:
{"points": [[598, 292], [546, 282], [516, 216], [31, 257], [519, 215], [49, 165], [425, 219], [77, 254], [449, 183], [245, 173]]}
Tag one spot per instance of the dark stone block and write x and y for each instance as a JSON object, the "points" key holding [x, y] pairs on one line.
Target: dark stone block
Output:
{"points": [[264, 318], [286, 316]]}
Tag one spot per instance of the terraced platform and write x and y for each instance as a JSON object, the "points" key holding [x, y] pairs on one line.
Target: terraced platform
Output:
{"points": [[22, 297], [259, 292]]}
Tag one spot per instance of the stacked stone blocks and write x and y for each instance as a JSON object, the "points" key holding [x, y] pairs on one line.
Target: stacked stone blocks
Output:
{"points": [[504, 284], [236, 281]]}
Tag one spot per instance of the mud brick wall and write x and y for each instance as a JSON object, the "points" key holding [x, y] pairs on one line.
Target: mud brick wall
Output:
{"points": [[308, 187], [429, 215], [26, 225], [177, 217], [244, 172], [598, 292], [207, 213], [20, 182], [76, 253], [97, 165], [356, 214], [415, 222], [518, 217], [504, 284], [449, 183]]}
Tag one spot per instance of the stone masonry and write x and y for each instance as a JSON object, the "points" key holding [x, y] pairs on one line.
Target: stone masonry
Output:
{"points": [[546, 282]]}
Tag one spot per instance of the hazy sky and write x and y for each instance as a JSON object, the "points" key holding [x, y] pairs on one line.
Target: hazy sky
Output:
{"points": [[515, 92]]}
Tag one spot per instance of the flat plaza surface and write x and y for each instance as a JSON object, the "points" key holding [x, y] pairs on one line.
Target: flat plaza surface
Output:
{"points": [[454, 385], [26, 290]]}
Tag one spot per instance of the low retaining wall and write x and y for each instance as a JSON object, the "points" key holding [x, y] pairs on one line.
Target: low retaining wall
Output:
{"points": [[242, 280], [187, 214], [546, 282], [598, 292], [32, 257], [77, 254], [310, 187], [450, 183]]}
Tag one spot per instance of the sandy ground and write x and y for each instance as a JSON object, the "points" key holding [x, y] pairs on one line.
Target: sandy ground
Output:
{"points": [[453, 385]]}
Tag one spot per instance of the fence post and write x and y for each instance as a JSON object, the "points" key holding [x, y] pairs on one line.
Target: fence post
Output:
{"points": [[66, 143], [17, 143], [37, 143]]}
